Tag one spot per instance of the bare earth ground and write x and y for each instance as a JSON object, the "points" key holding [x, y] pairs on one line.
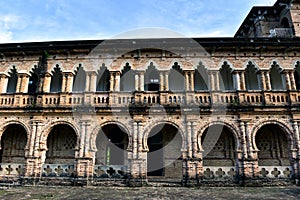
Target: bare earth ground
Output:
{"points": [[291, 192]]}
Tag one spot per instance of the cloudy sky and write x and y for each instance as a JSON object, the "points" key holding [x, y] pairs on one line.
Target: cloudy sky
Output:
{"points": [[36, 20]]}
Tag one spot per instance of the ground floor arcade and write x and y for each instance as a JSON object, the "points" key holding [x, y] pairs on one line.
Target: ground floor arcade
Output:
{"points": [[189, 152]]}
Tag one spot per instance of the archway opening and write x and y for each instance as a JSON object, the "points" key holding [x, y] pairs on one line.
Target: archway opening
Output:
{"points": [[297, 75], [273, 146], [285, 23], [276, 77], [103, 83], [61, 143], [218, 143], [56, 80], [12, 81], [164, 157], [79, 80], [201, 78], [112, 142], [251, 77], [176, 78], [33, 81], [13, 142], [226, 79], [127, 82], [152, 78]]}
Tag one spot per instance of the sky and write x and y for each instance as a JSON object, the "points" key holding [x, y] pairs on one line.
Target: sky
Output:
{"points": [[52, 20]]}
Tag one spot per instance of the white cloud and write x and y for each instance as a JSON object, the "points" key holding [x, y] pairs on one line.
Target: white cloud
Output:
{"points": [[7, 23]]}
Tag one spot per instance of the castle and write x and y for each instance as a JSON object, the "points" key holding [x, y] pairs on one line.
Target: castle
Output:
{"points": [[197, 110]]}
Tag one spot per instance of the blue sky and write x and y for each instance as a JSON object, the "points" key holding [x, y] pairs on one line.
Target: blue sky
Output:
{"points": [[36, 20]]}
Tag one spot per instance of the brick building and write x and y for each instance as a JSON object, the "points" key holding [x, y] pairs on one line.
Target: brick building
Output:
{"points": [[194, 110]]}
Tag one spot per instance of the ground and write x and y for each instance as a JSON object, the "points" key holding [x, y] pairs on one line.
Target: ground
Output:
{"points": [[291, 192]]}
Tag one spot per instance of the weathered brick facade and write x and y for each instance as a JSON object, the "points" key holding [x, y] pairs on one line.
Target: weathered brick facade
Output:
{"points": [[196, 110]]}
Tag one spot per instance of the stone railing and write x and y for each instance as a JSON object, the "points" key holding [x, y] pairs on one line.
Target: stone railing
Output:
{"points": [[58, 170], [219, 173], [121, 99], [12, 169], [110, 171], [275, 172]]}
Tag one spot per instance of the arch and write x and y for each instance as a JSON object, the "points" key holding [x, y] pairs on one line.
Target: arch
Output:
{"points": [[201, 81], [297, 74], [12, 80], [226, 79], [164, 153], [45, 133], [284, 127], [14, 141], [61, 144], [285, 23], [98, 128], [276, 78], [160, 122], [61, 66], [176, 78], [233, 129], [152, 80], [251, 77], [103, 77], [79, 79], [56, 79], [127, 82], [33, 80]]}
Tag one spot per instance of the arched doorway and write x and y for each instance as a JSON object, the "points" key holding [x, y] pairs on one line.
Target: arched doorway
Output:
{"points": [[176, 78], [127, 82], [251, 77], [164, 157], [79, 80], [218, 143], [61, 143], [56, 80], [112, 142], [273, 146], [13, 142], [151, 78], [276, 77], [12, 81], [201, 78], [226, 79], [103, 83]]}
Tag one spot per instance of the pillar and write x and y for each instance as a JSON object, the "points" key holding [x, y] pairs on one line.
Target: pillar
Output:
{"points": [[137, 156], [242, 80], [268, 81], [263, 80], [293, 81], [236, 81], [297, 156], [93, 81], [3, 83], [84, 161], [287, 80], [186, 75], [166, 81], [142, 81], [161, 81], [22, 84], [192, 168], [34, 155], [217, 80], [117, 81], [87, 81], [211, 80], [192, 83], [112, 81], [67, 82], [47, 83], [136, 82]]}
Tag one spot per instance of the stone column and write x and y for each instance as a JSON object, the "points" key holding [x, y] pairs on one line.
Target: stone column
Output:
{"points": [[93, 81], [3, 83], [34, 155], [297, 156], [67, 82], [242, 80], [142, 81], [268, 81], [84, 161], [47, 83], [186, 75], [166, 81], [137, 156], [293, 82], [263, 85], [192, 158], [87, 81], [22, 84], [211, 80], [161, 81], [136, 82], [192, 84], [287, 80], [236, 80], [112, 81], [217, 80], [117, 81]]}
